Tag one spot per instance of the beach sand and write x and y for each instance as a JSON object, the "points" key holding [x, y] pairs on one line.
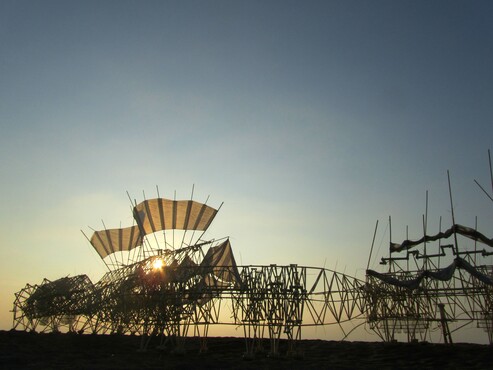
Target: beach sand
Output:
{"points": [[22, 350]]}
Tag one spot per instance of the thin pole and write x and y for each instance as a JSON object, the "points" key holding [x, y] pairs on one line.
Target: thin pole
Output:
{"points": [[390, 250], [372, 244], [475, 241], [444, 321], [439, 241], [174, 218], [475, 253], [407, 238], [425, 226], [130, 199], [456, 249], [491, 171], [484, 191]]}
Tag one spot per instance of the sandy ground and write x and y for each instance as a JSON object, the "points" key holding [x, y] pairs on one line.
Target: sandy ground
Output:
{"points": [[21, 350]]}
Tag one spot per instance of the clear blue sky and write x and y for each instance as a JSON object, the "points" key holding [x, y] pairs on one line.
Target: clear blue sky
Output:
{"points": [[310, 120]]}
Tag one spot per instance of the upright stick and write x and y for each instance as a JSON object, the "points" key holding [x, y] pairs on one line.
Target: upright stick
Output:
{"points": [[390, 249], [424, 245], [372, 244], [456, 248], [491, 171]]}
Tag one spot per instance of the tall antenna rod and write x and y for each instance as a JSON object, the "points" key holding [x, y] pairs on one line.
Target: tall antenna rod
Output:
{"points": [[390, 249], [372, 244], [407, 238], [439, 241], [425, 226], [456, 249], [174, 218], [475, 241], [491, 171]]}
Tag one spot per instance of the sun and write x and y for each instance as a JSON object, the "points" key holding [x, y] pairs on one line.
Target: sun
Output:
{"points": [[157, 264]]}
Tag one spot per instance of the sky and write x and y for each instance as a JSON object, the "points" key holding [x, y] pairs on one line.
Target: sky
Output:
{"points": [[310, 121]]}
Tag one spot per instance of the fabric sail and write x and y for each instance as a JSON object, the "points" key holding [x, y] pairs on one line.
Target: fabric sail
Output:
{"points": [[109, 241], [151, 216], [459, 229], [220, 261], [163, 214], [443, 274]]}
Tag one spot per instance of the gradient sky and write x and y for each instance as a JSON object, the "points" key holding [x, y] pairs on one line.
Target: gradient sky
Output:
{"points": [[309, 120]]}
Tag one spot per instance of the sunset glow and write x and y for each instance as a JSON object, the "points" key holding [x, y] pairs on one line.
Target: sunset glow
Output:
{"points": [[157, 264], [309, 120]]}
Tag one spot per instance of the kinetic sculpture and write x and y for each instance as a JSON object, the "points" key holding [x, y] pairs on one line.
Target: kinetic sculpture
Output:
{"points": [[415, 299], [162, 282], [433, 281]]}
